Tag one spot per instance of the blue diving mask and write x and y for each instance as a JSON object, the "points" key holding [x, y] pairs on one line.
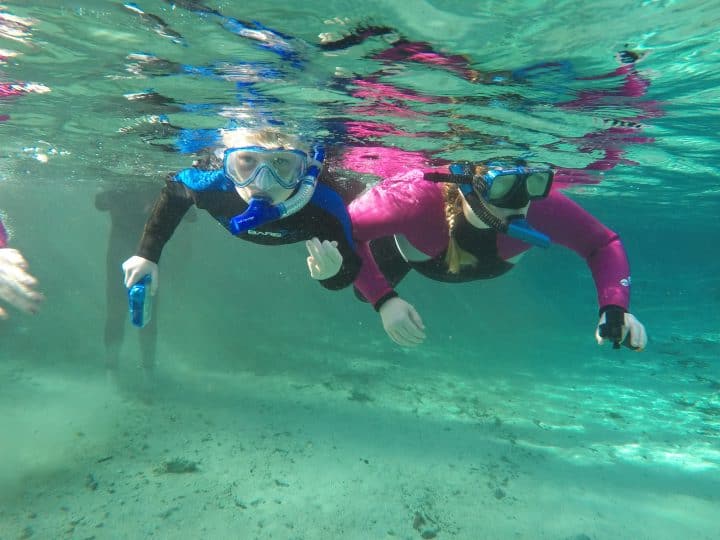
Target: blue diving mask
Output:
{"points": [[254, 164], [292, 168]]}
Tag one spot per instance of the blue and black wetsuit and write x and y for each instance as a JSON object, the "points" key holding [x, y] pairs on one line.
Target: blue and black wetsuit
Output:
{"points": [[324, 217]]}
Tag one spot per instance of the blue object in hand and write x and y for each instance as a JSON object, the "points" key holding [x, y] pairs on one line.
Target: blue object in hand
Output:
{"points": [[140, 302]]}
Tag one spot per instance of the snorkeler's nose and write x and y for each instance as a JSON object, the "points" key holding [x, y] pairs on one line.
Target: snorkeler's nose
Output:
{"points": [[264, 180]]}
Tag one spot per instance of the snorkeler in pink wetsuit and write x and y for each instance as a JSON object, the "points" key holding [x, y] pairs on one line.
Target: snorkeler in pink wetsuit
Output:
{"points": [[475, 223]]}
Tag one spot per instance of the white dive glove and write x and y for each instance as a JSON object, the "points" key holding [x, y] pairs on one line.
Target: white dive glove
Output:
{"points": [[16, 283], [325, 258], [621, 328], [402, 323], [136, 268]]}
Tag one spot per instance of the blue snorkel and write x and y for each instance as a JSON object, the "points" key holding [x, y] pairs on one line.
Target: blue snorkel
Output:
{"points": [[520, 228], [261, 211]]}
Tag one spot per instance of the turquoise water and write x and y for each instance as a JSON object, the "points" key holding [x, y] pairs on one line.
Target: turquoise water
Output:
{"points": [[303, 419]]}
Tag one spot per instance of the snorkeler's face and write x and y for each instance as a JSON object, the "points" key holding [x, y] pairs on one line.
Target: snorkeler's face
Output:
{"points": [[508, 212], [509, 185], [244, 165], [264, 187], [268, 173]]}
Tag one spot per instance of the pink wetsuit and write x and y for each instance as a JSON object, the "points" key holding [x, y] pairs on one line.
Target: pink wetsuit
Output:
{"points": [[407, 204], [3, 235]]}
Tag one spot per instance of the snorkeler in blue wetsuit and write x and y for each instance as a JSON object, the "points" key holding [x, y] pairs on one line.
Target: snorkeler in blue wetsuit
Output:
{"points": [[266, 187], [247, 188]]}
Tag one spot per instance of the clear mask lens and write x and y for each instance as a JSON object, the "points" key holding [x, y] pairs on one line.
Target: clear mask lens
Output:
{"points": [[537, 183], [501, 186], [285, 166]]}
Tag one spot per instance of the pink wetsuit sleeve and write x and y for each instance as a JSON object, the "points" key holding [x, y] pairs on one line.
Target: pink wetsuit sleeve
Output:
{"points": [[568, 224], [3, 235], [370, 280], [404, 204]]}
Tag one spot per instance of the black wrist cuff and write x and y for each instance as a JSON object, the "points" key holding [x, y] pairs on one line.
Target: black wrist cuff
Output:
{"points": [[377, 305], [612, 307]]}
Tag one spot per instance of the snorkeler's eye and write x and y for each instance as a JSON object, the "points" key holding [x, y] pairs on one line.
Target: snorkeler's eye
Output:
{"points": [[281, 161], [246, 160]]}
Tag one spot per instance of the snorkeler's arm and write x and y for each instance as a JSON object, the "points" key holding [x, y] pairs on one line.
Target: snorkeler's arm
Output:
{"points": [[404, 204], [331, 221], [611, 272], [370, 281], [17, 285], [3, 235], [174, 201], [568, 224], [351, 262], [401, 204]]}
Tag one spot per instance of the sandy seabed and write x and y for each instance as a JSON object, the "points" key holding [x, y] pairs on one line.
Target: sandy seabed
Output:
{"points": [[372, 451]]}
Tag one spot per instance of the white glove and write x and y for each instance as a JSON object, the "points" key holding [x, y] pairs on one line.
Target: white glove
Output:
{"points": [[16, 283], [402, 323], [325, 258], [136, 268], [638, 336]]}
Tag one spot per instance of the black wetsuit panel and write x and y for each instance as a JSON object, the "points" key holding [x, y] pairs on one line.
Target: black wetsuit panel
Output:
{"points": [[482, 243], [311, 221]]}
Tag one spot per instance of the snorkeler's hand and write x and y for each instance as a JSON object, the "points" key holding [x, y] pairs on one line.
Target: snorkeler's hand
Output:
{"points": [[325, 258], [402, 323], [136, 268], [16, 283], [621, 328]]}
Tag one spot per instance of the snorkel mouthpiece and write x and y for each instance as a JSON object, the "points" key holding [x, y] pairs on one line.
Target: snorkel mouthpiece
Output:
{"points": [[259, 211], [520, 228]]}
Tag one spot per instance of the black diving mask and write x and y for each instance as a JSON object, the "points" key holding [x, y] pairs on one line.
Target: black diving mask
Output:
{"points": [[511, 186]]}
